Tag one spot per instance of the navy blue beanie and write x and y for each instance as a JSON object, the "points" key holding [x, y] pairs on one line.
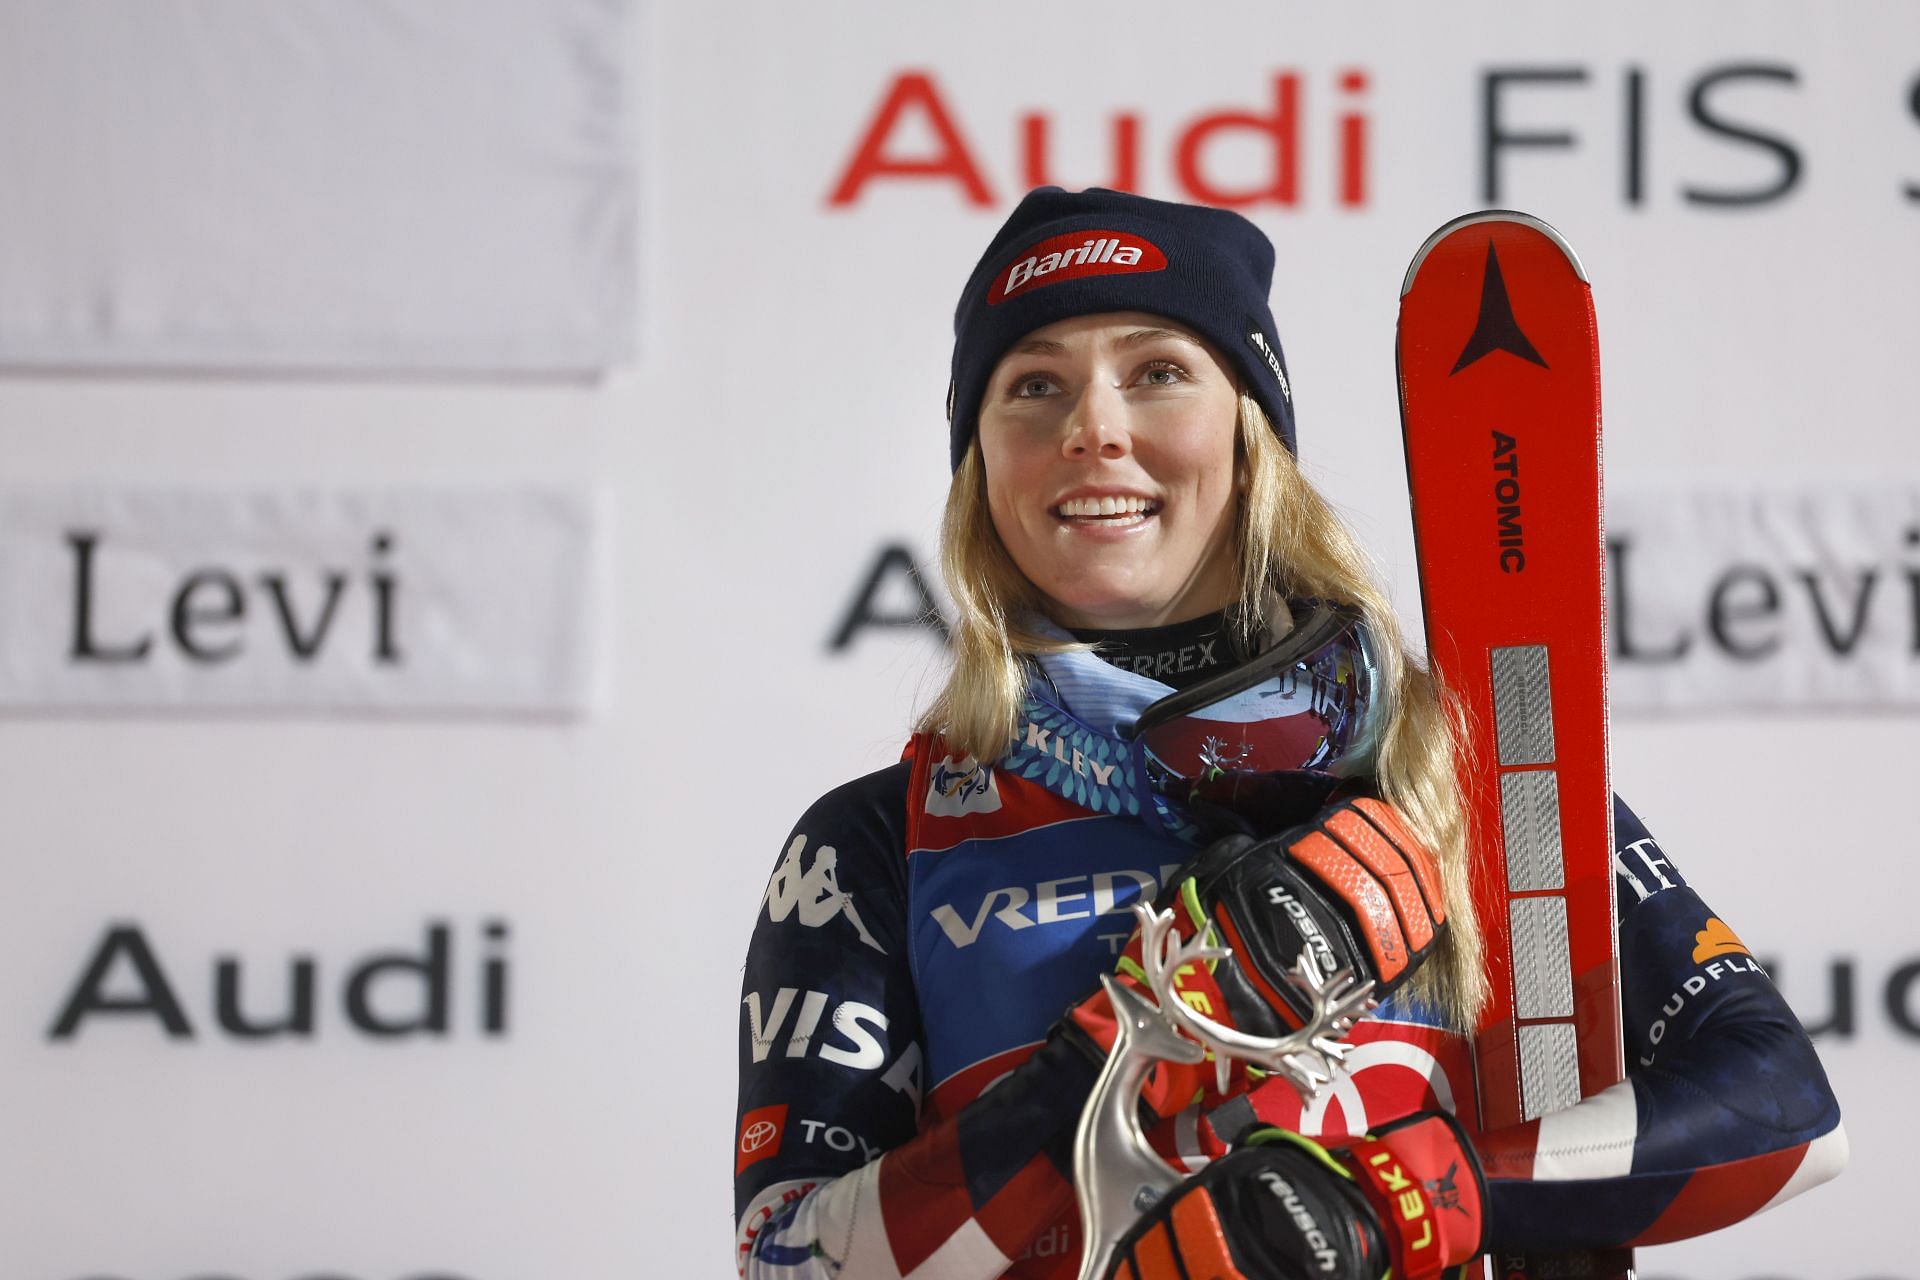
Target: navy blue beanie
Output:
{"points": [[1074, 253]]}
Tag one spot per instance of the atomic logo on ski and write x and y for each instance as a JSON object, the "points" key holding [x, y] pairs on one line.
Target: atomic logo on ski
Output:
{"points": [[1496, 329]]}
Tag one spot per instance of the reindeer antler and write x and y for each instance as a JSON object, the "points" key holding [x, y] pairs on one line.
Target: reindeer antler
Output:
{"points": [[1115, 1172], [1305, 1058]]}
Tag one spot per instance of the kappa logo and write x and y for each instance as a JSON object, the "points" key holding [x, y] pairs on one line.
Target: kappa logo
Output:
{"points": [[963, 786], [759, 1136], [813, 891], [1075, 256], [1717, 940]]}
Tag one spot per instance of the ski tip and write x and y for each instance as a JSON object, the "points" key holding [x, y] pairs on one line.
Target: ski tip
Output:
{"points": [[1492, 215]]}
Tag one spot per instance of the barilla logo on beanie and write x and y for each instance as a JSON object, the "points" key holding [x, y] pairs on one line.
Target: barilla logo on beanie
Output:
{"points": [[1073, 257]]}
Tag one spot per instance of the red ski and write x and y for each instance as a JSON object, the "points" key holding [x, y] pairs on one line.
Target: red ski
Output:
{"points": [[1500, 407]]}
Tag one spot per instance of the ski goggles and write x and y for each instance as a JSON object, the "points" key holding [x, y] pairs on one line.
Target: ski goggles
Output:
{"points": [[1312, 703]]}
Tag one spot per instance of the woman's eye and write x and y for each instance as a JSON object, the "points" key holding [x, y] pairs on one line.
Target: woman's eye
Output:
{"points": [[1163, 375], [1033, 386]]}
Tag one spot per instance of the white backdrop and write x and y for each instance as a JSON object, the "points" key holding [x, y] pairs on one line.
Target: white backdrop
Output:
{"points": [[781, 426]]}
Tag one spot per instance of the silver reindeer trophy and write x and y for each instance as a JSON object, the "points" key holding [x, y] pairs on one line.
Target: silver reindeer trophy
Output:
{"points": [[1116, 1174]]}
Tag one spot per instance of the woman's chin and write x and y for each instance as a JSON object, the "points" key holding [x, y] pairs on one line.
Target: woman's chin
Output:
{"points": [[1122, 601], [1107, 611]]}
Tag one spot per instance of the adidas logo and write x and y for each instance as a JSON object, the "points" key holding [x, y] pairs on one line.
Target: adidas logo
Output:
{"points": [[1272, 357]]}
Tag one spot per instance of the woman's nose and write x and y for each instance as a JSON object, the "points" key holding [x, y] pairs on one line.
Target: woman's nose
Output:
{"points": [[1098, 424]]}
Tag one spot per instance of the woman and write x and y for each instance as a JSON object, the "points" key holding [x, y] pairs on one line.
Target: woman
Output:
{"points": [[1173, 675]]}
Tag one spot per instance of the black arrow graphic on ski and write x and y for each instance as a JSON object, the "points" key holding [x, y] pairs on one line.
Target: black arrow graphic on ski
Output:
{"points": [[1496, 329]]}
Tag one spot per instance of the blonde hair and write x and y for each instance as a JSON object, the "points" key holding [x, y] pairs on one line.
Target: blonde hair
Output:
{"points": [[1287, 537]]}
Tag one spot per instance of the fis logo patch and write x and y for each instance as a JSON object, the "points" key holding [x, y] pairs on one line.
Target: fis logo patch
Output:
{"points": [[959, 787], [760, 1132], [1716, 940]]}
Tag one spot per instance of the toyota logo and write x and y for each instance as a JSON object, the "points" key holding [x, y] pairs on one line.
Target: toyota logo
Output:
{"points": [[757, 1135]]}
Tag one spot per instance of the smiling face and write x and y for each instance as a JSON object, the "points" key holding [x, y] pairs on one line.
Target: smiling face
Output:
{"points": [[1108, 442]]}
